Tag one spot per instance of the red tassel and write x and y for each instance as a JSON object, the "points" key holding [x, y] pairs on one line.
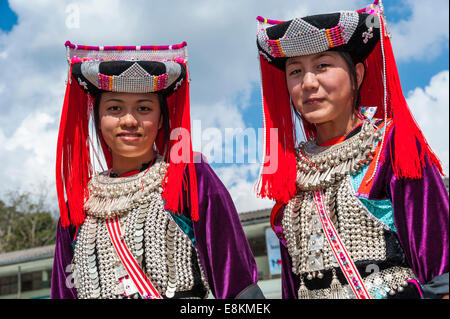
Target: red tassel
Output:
{"points": [[174, 181], [278, 185], [409, 158], [73, 166]]}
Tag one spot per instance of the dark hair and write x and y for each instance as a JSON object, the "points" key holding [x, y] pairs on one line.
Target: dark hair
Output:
{"points": [[164, 113], [351, 65]]}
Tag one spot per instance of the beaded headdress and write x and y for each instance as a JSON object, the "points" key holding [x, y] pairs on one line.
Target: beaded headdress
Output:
{"points": [[363, 35], [129, 69]]}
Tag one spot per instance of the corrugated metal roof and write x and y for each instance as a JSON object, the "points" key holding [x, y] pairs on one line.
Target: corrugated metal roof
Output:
{"points": [[254, 215], [18, 256], [38, 253]]}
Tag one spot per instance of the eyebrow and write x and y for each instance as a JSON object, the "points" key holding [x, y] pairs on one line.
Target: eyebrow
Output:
{"points": [[113, 100], [322, 55], [289, 62], [119, 100]]}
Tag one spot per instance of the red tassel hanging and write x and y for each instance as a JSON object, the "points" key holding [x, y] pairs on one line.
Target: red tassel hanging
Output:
{"points": [[409, 158], [278, 185], [175, 181], [73, 167]]}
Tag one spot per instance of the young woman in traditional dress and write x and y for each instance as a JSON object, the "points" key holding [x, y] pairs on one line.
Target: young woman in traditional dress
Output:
{"points": [[154, 224], [362, 210]]}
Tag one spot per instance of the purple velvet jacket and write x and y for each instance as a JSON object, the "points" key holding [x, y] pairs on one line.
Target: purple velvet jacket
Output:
{"points": [[421, 216], [223, 249]]}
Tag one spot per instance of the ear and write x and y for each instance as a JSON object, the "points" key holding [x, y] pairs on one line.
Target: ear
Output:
{"points": [[360, 71]]}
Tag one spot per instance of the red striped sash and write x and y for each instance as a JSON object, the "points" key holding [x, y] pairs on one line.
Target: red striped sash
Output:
{"points": [[340, 252], [140, 280]]}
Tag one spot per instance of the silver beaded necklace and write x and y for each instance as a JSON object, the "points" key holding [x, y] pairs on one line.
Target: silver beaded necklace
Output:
{"points": [[163, 251], [329, 169]]}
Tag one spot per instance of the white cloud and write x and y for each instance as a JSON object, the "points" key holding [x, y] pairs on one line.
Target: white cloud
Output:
{"points": [[240, 181], [28, 156], [430, 107], [424, 35]]}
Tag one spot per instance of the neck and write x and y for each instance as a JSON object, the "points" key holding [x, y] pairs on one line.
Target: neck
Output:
{"points": [[122, 165], [336, 128]]}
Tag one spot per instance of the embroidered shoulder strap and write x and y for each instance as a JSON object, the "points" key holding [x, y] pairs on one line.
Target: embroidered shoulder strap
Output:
{"points": [[340, 252], [139, 279], [367, 181]]}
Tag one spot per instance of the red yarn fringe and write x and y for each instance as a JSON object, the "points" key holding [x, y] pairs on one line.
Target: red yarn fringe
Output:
{"points": [[180, 155], [278, 185], [409, 159], [73, 169]]}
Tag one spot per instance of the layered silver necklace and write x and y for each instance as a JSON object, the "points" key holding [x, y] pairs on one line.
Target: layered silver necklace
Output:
{"points": [[320, 167], [328, 169], [164, 252]]}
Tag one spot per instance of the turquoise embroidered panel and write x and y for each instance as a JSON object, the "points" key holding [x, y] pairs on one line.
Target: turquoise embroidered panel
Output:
{"points": [[185, 224], [380, 209]]}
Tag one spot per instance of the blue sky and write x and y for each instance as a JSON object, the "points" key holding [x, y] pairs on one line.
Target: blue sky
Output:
{"points": [[225, 89], [7, 17]]}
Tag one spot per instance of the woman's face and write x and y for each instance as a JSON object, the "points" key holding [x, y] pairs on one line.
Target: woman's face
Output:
{"points": [[320, 86], [129, 122]]}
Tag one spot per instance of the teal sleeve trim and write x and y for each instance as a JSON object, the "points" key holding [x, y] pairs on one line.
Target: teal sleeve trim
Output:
{"points": [[382, 210], [74, 242], [185, 223], [358, 178]]}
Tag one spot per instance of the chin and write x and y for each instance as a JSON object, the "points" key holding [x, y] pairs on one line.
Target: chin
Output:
{"points": [[316, 117], [132, 152]]}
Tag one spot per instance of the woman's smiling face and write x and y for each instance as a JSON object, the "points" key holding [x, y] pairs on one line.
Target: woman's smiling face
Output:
{"points": [[320, 86], [129, 122]]}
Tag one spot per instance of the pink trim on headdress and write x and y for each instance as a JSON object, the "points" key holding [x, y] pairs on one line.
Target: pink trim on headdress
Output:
{"points": [[269, 21], [125, 48], [105, 82], [161, 81], [275, 48], [334, 36], [375, 8]]}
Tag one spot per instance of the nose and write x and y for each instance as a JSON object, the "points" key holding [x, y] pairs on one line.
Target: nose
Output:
{"points": [[310, 81], [128, 120]]}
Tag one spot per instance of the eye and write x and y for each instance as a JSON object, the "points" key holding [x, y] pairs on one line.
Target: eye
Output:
{"points": [[322, 66], [113, 108], [295, 71], [144, 108]]}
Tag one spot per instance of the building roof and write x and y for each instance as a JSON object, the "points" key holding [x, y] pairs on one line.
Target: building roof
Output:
{"points": [[19, 256], [255, 216], [44, 252]]}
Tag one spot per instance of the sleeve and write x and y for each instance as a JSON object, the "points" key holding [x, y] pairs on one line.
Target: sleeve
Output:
{"points": [[223, 249], [289, 282], [421, 216], [62, 285]]}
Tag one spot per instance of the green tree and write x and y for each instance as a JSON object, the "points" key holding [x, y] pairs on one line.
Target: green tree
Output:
{"points": [[25, 222]]}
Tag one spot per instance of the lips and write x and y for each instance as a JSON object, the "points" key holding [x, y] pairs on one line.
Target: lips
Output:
{"points": [[312, 100], [129, 135]]}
